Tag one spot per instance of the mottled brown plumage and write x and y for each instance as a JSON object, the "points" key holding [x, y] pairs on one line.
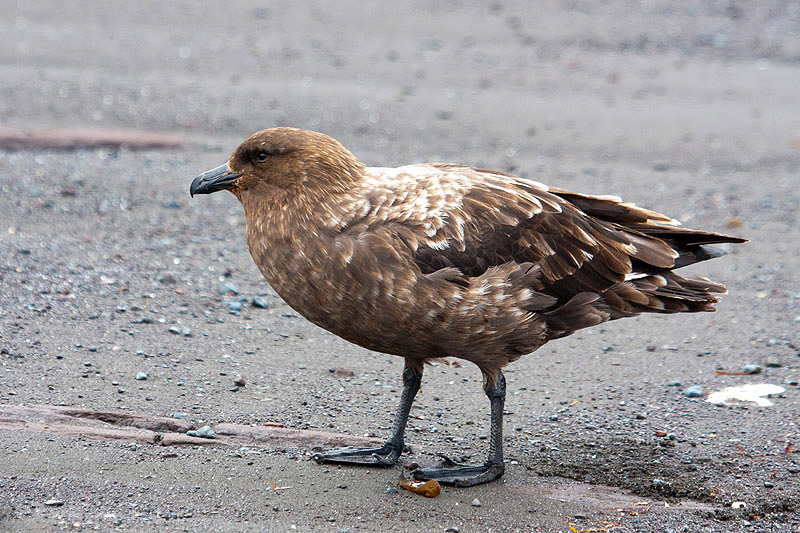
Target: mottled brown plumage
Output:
{"points": [[437, 260]]}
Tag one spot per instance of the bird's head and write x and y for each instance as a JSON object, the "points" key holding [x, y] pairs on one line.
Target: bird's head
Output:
{"points": [[283, 162]]}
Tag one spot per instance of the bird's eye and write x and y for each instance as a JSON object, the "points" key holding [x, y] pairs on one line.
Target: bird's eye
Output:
{"points": [[262, 156]]}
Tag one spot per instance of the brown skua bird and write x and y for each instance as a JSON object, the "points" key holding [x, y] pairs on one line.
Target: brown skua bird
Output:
{"points": [[430, 261]]}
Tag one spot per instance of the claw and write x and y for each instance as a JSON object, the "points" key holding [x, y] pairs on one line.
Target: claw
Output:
{"points": [[446, 462]]}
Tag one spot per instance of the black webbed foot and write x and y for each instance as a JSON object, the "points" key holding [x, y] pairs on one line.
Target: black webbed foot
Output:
{"points": [[449, 472], [386, 455]]}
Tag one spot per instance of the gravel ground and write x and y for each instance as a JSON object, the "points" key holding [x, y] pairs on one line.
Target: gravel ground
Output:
{"points": [[109, 269]]}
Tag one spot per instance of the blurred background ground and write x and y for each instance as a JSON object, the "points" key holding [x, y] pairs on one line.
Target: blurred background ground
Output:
{"points": [[109, 269]]}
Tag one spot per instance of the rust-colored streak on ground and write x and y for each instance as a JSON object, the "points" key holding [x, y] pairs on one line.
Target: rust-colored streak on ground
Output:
{"points": [[14, 138], [159, 430]]}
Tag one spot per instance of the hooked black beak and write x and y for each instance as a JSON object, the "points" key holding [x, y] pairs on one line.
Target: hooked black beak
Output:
{"points": [[214, 180]]}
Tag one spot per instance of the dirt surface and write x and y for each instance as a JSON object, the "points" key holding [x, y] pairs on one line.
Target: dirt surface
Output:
{"points": [[109, 269]]}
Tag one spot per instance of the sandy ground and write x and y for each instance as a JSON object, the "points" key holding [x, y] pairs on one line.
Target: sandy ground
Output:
{"points": [[109, 269]]}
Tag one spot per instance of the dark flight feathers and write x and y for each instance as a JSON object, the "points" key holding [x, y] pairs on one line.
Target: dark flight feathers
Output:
{"points": [[599, 258]]}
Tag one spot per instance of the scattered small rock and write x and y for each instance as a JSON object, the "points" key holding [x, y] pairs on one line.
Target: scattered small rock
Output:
{"points": [[168, 278], [751, 369], [735, 222], [391, 490], [341, 372], [54, 503], [674, 384], [205, 432], [772, 363], [186, 332], [260, 303], [769, 484], [233, 305], [228, 288], [141, 376], [661, 433], [476, 502], [695, 391], [238, 380], [737, 505]]}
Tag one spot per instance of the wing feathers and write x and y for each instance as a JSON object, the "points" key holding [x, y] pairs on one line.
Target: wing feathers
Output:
{"points": [[574, 252]]}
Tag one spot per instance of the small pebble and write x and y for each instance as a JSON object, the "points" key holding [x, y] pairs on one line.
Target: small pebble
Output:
{"points": [[476, 502], [674, 384], [141, 376], [391, 490], [233, 305], [186, 332], [205, 432], [661, 433], [769, 484], [54, 503], [772, 363], [228, 288], [260, 302], [695, 391], [671, 436], [751, 369]]}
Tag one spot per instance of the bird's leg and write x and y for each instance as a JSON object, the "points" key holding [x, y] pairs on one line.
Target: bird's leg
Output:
{"points": [[449, 472], [387, 454]]}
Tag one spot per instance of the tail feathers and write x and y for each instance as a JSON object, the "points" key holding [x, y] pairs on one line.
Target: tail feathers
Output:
{"points": [[666, 292], [683, 236]]}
